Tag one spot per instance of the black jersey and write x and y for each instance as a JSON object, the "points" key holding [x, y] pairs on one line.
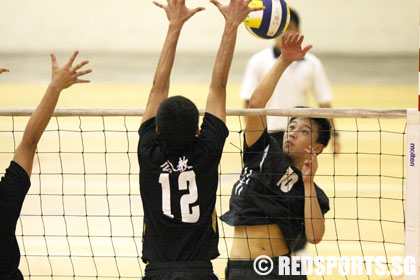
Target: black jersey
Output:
{"points": [[178, 190], [270, 190], [13, 188]]}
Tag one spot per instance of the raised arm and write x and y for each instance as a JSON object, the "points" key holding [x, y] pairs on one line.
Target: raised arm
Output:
{"points": [[177, 14], [234, 14], [291, 50], [62, 78]]}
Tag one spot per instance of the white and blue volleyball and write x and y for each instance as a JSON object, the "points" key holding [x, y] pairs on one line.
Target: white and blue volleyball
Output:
{"points": [[269, 23]]}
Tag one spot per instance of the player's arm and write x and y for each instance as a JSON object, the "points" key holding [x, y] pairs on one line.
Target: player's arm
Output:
{"points": [[62, 78], [177, 14], [234, 14], [291, 50], [3, 70], [314, 220]]}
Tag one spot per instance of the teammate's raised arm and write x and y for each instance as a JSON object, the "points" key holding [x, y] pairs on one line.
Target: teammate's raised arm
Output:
{"points": [[177, 14], [62, 78], [234, 14], [291, 50], [15, 183], [3, 70]]}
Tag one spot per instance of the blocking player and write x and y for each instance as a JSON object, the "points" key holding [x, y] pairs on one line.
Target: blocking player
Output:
{"points": [[179, 162], [276, 201], [16, 181]]}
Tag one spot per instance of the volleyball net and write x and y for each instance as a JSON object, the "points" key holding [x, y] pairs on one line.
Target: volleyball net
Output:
{"points": [[83, 217]]}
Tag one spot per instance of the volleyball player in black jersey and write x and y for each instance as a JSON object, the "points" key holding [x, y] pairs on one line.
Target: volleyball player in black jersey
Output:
{"points": [[179, 162], [16, 181], [276, 201]]}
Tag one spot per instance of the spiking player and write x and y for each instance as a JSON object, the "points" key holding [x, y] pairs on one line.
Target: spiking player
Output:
{"points": [[16, 182], [179, 162], [275, 201]]}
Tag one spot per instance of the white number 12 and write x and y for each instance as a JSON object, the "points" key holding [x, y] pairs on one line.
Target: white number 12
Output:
{"points": [[186, 181]]}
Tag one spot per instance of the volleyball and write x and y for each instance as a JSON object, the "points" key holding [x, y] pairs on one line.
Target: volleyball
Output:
{"points": [[268, 23]]}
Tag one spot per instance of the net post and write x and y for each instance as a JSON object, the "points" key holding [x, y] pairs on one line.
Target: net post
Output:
{"points": [[412, 206]]}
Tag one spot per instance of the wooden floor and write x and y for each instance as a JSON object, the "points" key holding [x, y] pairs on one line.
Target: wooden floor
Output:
{"points": [[90, 187]]}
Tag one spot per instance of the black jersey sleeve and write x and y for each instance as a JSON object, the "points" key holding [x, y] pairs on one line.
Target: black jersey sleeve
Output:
{"points": [[323, 200], [147, 132], [213, 133], [255, 153], [14, 186]]}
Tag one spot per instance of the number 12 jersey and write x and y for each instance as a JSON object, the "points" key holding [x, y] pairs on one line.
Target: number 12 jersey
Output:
{"points": [[178, 191]]}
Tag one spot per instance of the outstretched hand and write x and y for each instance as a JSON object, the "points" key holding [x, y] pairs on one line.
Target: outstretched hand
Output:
{"points": [[68, 75], [291, 47], [310, 166], [3, 70], [237, 10], [176, 11]]}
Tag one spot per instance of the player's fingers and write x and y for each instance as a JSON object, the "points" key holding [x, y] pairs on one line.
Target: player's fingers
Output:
{"points": [[307, 48], [80, 65], [300, 40], [216, 3], [53, 60], [4, 70], [196, 10], [159, 5], [313, 153], [289, 38], [256, 9], [72, 58], [81, 73], [283, 40], [295, 38], [79, 81]]}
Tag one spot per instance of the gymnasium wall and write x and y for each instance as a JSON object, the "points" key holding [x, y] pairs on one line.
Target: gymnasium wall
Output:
{"points": [[333, 26]]}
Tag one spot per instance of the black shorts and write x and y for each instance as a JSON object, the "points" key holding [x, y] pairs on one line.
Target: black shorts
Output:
{"points": [[239, 270], [180, 271]]}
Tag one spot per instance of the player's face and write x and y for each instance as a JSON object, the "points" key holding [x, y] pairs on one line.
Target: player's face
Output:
{"points": [[301, 133]]}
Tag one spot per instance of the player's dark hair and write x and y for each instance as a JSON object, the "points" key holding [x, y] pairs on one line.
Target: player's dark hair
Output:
{"points": [[177, 122], [294, 17]]}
